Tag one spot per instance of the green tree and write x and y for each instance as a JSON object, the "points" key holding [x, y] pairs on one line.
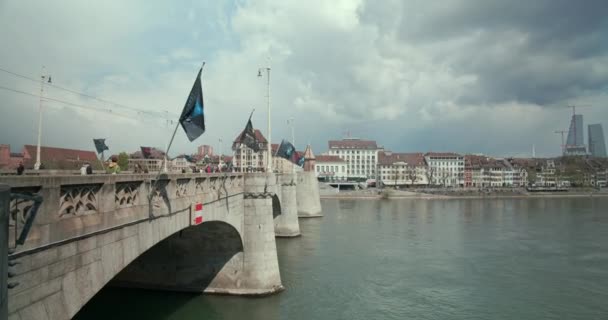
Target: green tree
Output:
{"points": [[123, 161]]}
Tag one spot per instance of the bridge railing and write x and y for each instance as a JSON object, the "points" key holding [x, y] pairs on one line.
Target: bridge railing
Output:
{"points": [[77, 205]]}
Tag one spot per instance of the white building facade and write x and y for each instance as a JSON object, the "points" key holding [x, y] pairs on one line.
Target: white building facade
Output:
{"points": [[246, 159], [445, 169], [331, 168], [401, 169], [360, 156]]}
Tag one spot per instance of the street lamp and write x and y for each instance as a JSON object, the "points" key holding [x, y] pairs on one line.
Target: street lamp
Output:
{"points": [[43, 77], [269, 157], [291, 122], [220, 154]]}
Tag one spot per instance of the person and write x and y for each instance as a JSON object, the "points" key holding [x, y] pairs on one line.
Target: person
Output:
{"points": [[113, 167], [137, 168], [208, 169], [83, 169], [20, 168], [89, 168]]}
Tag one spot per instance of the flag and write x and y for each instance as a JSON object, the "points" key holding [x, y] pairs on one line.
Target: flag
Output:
{"points": [[298, 159], [286, 150], [100, 145], [248, 138], [146, 152], [193, 116]]}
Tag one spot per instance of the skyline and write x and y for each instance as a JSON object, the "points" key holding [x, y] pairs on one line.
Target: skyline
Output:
{"points": [[469, 77]]}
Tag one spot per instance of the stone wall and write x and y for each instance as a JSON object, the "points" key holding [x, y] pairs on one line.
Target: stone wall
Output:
{"points": [[90, 227]]}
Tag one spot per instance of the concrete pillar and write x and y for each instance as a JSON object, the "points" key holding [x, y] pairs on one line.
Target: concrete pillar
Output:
{"points": [[307, 195], [286, 224], [5, 198], [261, 264]]}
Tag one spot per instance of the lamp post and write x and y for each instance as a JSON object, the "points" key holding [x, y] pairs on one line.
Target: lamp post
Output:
{"points": [[220, 154], [269, 156], [166, 145], [291, 122], [43, 77]]}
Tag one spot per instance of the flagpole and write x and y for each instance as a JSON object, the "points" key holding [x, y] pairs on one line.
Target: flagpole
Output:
{"points": [[101, 161], [166, 153]]}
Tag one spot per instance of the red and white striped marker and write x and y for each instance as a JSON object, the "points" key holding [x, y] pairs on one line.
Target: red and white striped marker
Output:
{"points": [[198, 213]]}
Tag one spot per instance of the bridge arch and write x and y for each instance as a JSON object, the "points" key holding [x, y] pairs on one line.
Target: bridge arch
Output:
{"points": [[200, 258], [276, 206]]}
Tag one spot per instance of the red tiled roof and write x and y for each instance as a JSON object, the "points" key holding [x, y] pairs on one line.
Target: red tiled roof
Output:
{"points": [[326, 158], [386, 158], [60, 154], [353, 144], [308, 154], [154, 154], [258, 135], [442, 154]]}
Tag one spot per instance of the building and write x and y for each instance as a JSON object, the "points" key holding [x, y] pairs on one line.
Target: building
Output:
{"points": [[247, 160], [597, 144], [205, 150], [179, 164], [575, 145], [153, 163], [361, 156], [445, 169], [401, 169], [9, 160], [50, 157], [331, 168], [309, 159]]}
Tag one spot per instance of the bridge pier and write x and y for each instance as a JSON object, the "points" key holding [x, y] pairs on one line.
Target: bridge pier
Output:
{"points": [[286, 223], [308, 199]]}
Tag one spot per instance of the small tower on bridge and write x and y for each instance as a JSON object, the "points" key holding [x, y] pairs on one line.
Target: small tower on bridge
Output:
{"points": [[309, 159]]}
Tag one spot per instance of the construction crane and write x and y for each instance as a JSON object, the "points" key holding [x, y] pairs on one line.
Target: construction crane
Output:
{"points": [[574, 122], [563, 145]]}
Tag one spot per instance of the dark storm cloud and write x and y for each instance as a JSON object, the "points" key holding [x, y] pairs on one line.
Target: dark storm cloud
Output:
{"points": [[540, 52]]}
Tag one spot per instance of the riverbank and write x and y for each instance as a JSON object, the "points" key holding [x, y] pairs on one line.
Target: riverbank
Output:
{"points": [[377, 194]]}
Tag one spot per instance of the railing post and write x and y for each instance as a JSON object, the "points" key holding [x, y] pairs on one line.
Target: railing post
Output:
{"points": [[5, 198]]}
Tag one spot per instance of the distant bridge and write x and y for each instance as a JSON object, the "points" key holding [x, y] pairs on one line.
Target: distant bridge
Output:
{"points": [[96, 229]]}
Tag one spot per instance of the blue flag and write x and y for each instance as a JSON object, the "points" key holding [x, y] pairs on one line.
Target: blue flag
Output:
{"points": [[193, 115], [286, 150]]}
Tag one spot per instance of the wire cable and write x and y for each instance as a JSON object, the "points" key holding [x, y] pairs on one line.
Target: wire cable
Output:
{"points": [[163, 115], [109, 111]]}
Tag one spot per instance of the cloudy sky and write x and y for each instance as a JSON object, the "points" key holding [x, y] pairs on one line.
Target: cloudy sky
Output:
{"points": [[485, 76]]}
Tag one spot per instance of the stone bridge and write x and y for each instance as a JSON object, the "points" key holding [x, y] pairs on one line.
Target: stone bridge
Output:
{"points": [[130, 230]]}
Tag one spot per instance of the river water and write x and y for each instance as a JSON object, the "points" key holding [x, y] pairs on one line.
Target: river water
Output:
{"points": [[418, 259]]}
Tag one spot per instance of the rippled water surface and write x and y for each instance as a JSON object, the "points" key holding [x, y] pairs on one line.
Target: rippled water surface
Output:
{"points": [[418, 259]]}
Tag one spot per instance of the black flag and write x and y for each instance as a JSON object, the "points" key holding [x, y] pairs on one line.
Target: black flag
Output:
{"points": [[146, 152], [100, 145], [249, 139], [193, 116], [286, 150]]}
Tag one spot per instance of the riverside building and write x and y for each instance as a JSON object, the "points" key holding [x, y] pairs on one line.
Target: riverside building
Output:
{"points": [[360, 156]]}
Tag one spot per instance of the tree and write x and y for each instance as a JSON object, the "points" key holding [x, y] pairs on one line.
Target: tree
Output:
{"points": [[429, 173], [123, 161], [411, 174]]}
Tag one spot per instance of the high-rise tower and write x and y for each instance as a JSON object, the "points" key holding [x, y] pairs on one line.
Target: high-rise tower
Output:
{"points": [[597, 145], [575, 145]]}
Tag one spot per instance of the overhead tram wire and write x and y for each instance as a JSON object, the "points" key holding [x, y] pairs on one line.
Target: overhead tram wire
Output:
{"points": [[159, 114], [108, 111]]}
